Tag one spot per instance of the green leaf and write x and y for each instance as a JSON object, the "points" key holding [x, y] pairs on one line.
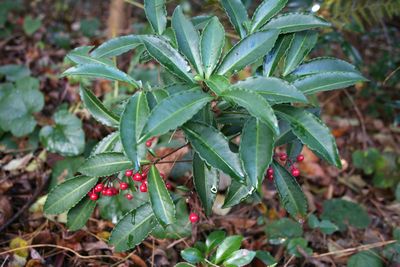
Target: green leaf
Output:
{"points": [[274, 90], [192, 255], [295, 22], [173, 111], [107, 144], [248, 50], [218, 84], [133, 228], [227, 247], [255, 104], [279, 231], [132, 123], [80, 55], [160, 199], [105, 164], [290, 193], [324, 64], [156, 14], [66, 137], [67, 194], [237, 15], [18, 103], [272, 59], [97, 108], [298, 243], [14, 72], [365, 258], [117, 46], [184, 264], [214, 239], [343, 213], [168, 57], [301, 46], [237, 193], [211, 45], [312, 132], [327, 81], [31, 25], [266, 258], [240, 258], [101, 71], [188, 39], [265, 11], [206, 181], [256, 149], [213, 147], [80, 214]]}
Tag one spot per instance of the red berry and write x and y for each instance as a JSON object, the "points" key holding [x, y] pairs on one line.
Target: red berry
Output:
{"points": [[283, 157], [123, 186], [98, 188], [270, 177], [300, 158], [145, 182], [168, 186], [94, 197], [270, 171], [109, 192], [128, 173], [149, 143], [144, 175], [104, 191], [137, 177], [115, 191], [143, 188], [128, 196], [193, 217], [295, 172]]}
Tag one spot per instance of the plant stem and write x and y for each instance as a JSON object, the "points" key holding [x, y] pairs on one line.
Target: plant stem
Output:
{"points": [[212, 264]]}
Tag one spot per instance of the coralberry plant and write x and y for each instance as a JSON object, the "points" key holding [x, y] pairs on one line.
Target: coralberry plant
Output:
{"points": [[233, 126]]}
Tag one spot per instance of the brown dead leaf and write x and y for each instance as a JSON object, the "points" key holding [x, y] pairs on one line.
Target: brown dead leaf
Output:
{"points": [[5, 209]]}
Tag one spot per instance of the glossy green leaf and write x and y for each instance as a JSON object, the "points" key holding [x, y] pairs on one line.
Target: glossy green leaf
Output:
{"points": [[133, 228], [14, 72], [365, 258], [133, 119], [214, 239], [168, 57], [272, 59], [106, 144], [298, 247], [327, 81], [97, 108], [312, 132], [274, 90], [188, 39], [301, 46], [255, 104], [160, 199], [324, 64], [206, 181], [213, 147], [192, 255], [66, 137], [218, 84], [117, 46], [237, 14], [67, 194], [173, 112], [279, 231], [211, 45], [237, 193], [227, 247], [80, 55], [240, 258], [155, 97], [105, 164], [248, 50], [156, 14], [101, 71], [256, 150], [266, 258], [80, 214], [295, 22], [290, 193], [265, 11]]}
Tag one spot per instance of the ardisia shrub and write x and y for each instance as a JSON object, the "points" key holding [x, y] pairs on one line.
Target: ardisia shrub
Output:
{"points": [[233, 126]]}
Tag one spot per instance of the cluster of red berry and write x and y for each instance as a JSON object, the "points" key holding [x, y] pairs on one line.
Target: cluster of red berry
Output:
{"points": [[107, 189], [284, 158]]}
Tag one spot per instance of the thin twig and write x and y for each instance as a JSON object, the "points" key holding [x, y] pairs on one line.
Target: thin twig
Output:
{"points": [[390, 75], [288, 262]]}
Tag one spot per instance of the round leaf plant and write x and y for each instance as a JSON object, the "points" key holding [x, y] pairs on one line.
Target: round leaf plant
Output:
{"points": [[267, 110]]}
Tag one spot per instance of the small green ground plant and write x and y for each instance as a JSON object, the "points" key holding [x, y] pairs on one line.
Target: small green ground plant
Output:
{"points": [[203, 102]]}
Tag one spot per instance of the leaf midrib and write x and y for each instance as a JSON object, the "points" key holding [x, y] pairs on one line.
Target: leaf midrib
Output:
{"points": [[310, 91], [157, 183], [98, 104]]}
